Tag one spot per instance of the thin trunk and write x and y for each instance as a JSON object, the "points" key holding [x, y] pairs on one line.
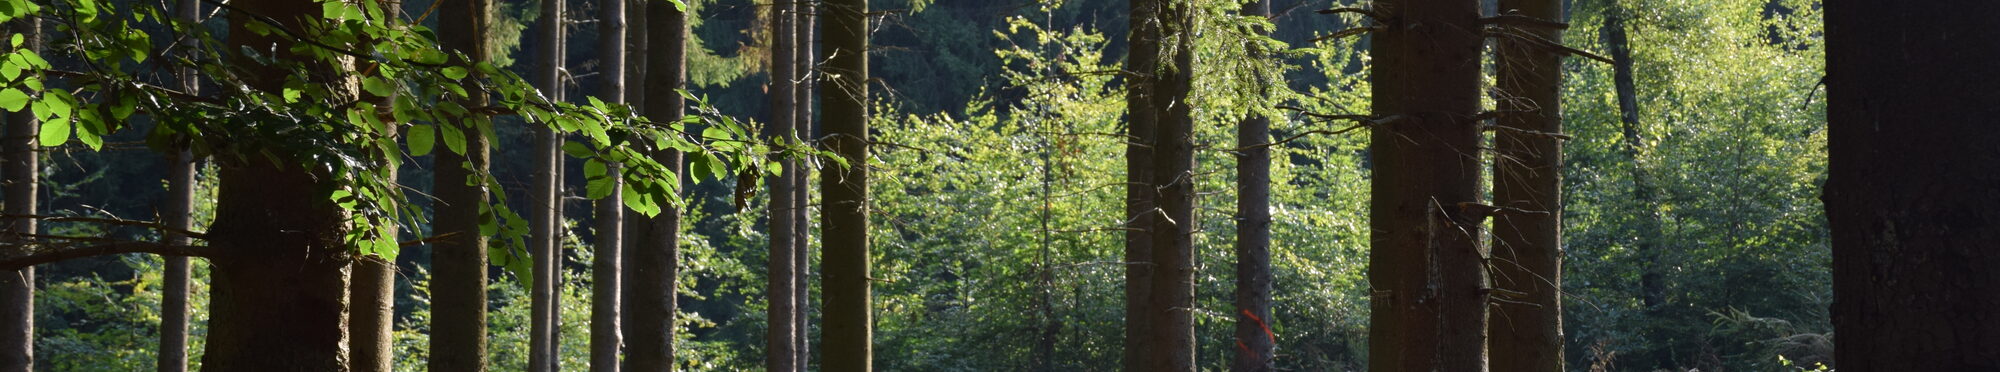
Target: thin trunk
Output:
{"points": [[1527, 331], [546, 217], [1910, 191], [1426, 266], [635, 97], [802, 182], [1256, 344], [607, 264], [458, 287], [22, 182], [372, 322], [181, 165], [1652, 282], [782, 272], [849, 319], [1140, 65], [655, 259], [1172, 303]]}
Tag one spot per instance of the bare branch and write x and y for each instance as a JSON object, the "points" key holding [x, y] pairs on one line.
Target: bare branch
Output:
{"points": [[108, 221], [1516, 20], [1493, 127], [15, 256], [1365, 12], [1346, 33]]}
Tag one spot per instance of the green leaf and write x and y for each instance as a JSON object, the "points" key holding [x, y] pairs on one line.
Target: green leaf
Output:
{"points": [[455, 72], [598, 188], [593, 169], [13, 100], [55, 132], [376, 86], [577, 150], [421, 138], [454, 138]]}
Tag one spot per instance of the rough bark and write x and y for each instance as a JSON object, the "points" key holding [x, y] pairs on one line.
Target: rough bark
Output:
{"points": [[1171, 305], [1256, 344], [458, 285], [1910, 191], [545, 218], [607, 263], [1140, 65], [1425, 266], [179, 208], [373, 319], [1527, 329], [654, 262], [1652, 278], [802, 181], [18, 171], [849, 320], [781, 273]]}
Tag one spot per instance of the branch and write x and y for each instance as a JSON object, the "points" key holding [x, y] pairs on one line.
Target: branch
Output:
{"points": [[1346, 33], [1516, 20], [1493, 127], [1546, 43], [16, 256], [108, 221], [1365, 12]]}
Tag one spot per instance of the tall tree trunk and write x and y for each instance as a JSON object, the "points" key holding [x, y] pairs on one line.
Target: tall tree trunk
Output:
{"points": [[22, 183], [458, 287], [1425, 266], [372, 322], [782, 270], [802, 182], [655, 259], [849, 319], [1910, 191], [1527, 248], [1140, 64], [607, 264], [1652, 282], [635, 223], [1172, 303], [546, 218], [181, 165], [1256, 344]]}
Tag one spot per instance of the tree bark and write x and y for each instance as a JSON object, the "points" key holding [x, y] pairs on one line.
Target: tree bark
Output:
{"points": [[19, 170], [1256, 344], [802, 182], [546, 218], [849, 319], [1171, 304], [1527, 331], [655, 259], [372, 323], [458, 287], [607, 264], [1910, 191], [1140, 65], [181, 165], [1425, 266], [781, 271]]}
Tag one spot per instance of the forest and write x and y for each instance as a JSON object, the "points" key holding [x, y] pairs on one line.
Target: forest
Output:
{"points": [[999, 185]]}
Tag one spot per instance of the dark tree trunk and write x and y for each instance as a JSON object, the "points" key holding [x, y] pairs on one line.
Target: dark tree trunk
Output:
{"points": [[181, 165], [19, 172], [802, 182], [607, 264], [782, 272], [372, 322], [1425, 267], [1256, 344], [1171, 305], [543, 243], [1527, 331], [636, 228], [849, 322], [655, 258], [1140, 65], [1652, 278], [458, 287], [1910, 193]]}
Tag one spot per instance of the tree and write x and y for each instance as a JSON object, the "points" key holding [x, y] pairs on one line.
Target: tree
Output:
{"points": [[543, 196], [179, 211], [802, 180], [458, 305], [607, 266], [654, 259], [1171, 305], [1425, 259], [372, 321], [1140, 63], [848, 316], [1909, 193], [781, 274], [1652, 278], [21, 174], [1253, 228], [1527, 176]]}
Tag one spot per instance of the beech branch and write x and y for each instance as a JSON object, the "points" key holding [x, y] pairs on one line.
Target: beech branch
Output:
{"points": [[16, 256]]}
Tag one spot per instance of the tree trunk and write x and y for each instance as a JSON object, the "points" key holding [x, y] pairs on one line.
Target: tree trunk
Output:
{"points": [[1910, 191], [1652, 282], [279, 298], [802, 182], [1140, 64], [1256, 344], [458, 287], [1527, 249], [181, 165], [372, 322], [1425, 266], [19, 171], [849, 318], [607, 264], [546, 217], [1172, 303], [635, 223], [655, 259], [782, 272]]}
